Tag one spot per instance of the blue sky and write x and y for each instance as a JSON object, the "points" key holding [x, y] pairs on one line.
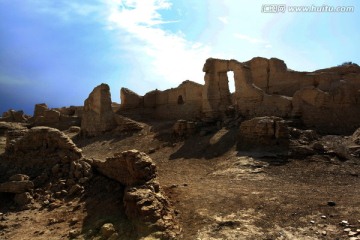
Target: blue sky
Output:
{"points": [[57, 51]]}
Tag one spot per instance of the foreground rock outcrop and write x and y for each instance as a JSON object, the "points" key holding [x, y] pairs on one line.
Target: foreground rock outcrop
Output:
{"points": [[43, 167], [144, 201], [42, 164], [40, 146]]}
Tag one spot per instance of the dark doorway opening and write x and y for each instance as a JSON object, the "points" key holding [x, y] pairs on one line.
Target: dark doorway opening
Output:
{"points": [[180, 100]]}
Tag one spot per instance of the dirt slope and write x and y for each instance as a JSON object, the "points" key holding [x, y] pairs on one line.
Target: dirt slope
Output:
{"points": [[218, 192]]}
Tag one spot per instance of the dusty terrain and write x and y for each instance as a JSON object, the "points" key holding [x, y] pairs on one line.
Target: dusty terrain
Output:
{"points": [[217, 191]]}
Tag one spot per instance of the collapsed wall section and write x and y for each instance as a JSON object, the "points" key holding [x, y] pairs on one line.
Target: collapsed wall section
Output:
{"points": [[185, 101]]}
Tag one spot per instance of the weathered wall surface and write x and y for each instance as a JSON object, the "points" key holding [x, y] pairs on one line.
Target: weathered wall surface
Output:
{"points": [[250, 99], [185, 101], [14, 116], [327, 99], [336, 111], [130, 99], [98, 116], [60, 118]]}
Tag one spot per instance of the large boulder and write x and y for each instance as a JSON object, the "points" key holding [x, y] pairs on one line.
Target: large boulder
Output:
{"points": [[9, 126], [129, 168], [16, 186], [144, 201], [48, 158], [126, 124], [98, 116], [150, 210], [184, 128], [263, 132], [41, 147], [40, 140]]}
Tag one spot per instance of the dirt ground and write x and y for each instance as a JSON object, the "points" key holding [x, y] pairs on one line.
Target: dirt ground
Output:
{"points": [[217, 191]]}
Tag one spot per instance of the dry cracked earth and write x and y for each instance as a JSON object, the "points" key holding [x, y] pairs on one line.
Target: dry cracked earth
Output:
{"points": [[217, 192]]}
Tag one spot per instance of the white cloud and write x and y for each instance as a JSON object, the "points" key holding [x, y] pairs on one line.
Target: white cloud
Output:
{"points": [[223, 20], [248, 38], [252, 40], [173, 59]]}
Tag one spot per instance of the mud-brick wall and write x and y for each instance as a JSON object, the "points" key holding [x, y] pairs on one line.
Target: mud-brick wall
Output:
{"points": [[184, 102]]}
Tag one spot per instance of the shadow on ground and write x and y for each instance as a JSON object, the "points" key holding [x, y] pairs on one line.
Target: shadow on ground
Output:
{"points": [[213, 145]]}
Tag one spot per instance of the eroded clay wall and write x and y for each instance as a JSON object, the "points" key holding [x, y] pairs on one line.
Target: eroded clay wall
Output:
{"points": [[185, 102], [336, 111], [325, 99]]}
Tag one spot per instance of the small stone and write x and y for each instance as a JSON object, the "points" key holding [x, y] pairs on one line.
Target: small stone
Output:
{"points": [[75, 189], [58, 194], [74, 129], [323, 217], [331, 203], [174, 186], [312, 222], [352, 234], [54, 205], [358, 230], [344, 223], [347, 229], [52, 221], [64, 192], [19, 177], [73, 221], [107, 230], [324, 233], [46, 202], [22, 199], [77, 207], [151, 150], [74, 233], [114, 236]]}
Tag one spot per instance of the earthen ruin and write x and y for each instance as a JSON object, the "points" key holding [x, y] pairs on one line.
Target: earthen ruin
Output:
{"points": [[323, 99], [252, 148]]}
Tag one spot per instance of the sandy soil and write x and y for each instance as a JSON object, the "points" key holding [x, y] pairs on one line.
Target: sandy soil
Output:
{"points": [[218, 192]]}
